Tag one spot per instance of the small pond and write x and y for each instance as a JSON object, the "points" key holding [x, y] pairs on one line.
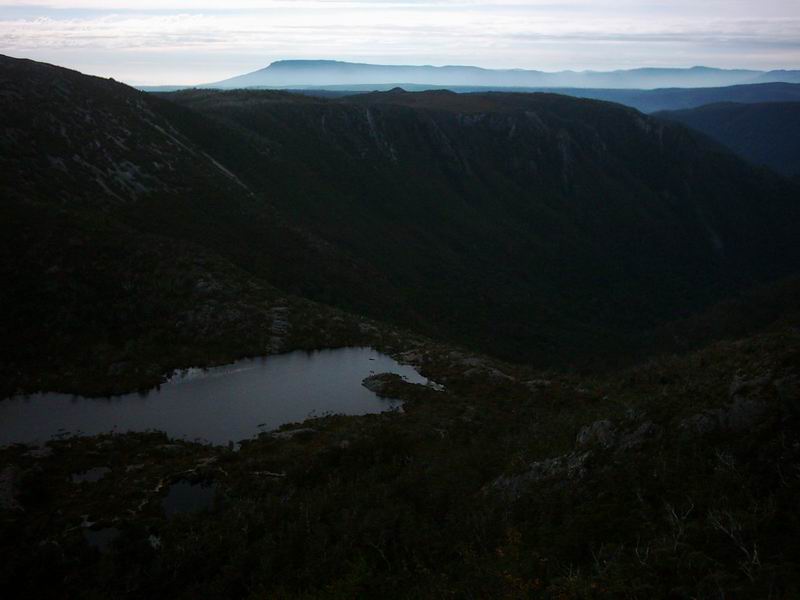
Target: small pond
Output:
{"points": [[217, 405]]}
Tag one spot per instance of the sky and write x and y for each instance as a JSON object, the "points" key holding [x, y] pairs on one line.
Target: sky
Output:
{"points": [[184, 42]]}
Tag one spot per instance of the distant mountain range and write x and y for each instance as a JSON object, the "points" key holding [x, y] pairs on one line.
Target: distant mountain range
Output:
{"points": [[322, 73], [682, 98], [647, 101], [647, 90], [765, 134]]}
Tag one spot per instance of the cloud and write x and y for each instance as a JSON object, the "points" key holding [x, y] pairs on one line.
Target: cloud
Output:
{"points": [[147, 40]]}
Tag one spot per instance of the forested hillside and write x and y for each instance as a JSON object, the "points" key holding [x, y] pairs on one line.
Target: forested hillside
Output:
{"points": [[534, 227], [763, 133]]}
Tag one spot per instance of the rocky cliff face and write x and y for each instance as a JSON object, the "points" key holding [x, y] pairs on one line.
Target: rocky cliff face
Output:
{"points": [[69, 139], [529, 201]]}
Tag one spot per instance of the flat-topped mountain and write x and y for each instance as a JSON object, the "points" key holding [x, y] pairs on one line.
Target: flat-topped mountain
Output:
{"points": [[316, 73]]}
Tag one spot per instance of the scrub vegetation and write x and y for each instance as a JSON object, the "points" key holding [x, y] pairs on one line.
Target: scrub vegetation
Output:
{"points": [[609, 302]]}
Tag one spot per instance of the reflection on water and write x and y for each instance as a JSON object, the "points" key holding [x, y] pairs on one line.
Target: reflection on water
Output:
{"points": [[232, 402]]}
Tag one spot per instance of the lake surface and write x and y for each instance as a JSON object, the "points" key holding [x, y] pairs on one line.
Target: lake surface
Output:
{"points": [[217, 405]]}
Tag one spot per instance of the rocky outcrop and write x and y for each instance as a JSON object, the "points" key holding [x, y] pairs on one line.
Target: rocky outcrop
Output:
{"points": [[487, 373], [381, 383], [746, 408], [568, 467], [411, 357], [738, 416], [476, 367], [289, 434], [639, 436], [599, 437], [604, 434]]}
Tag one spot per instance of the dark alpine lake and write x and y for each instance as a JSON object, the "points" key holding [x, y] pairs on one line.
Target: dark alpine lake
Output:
{"points": [[217, 405]]}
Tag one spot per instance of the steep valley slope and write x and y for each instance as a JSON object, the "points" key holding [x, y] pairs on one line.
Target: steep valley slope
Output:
{"points": [[763, 133], [533, 227]]}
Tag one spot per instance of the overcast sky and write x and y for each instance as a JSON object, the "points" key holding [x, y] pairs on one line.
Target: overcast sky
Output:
{"points": [[181, 41]]}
